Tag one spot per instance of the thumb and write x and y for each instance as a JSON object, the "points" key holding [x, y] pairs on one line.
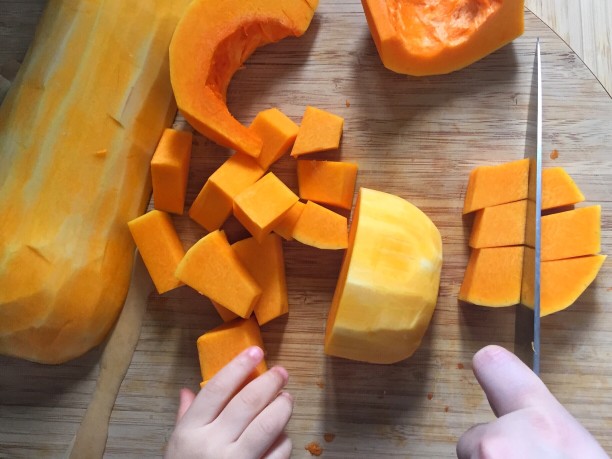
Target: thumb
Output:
{"points": [[508, 383], [186, 398]]}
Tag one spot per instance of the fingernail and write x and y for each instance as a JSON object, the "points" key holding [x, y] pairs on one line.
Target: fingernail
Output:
{"points": [[255, 352], [282, 372], [287, 395]]}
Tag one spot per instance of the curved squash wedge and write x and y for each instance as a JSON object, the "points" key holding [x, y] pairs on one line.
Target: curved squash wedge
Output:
{"points": [[210, 43]]}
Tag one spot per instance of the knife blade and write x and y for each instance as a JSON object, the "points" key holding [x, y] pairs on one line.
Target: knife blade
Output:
{"points": [[527, 317]]}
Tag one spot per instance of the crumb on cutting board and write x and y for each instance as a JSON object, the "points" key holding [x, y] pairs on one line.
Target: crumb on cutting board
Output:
{"points": [[554, 154], [429, 396], [329, 437], [314, 448]]}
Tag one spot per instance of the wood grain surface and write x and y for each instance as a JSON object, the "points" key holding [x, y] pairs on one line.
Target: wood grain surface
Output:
{"points": [[415, 137]]}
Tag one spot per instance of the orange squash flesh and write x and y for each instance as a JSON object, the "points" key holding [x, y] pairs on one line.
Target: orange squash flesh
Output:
{"points": [[492, 185], [160, 248], [571, 234], [212, 268], [210, 43], [223, 312], [562, 281], [266, 264], [430, 38], [320, 227], [263, 204], [170, 170], [559, 189], [327, 182], [277, 133], [493, 277], [286, 225], [319, 131], [499, 226], [215, 201], [217, 347], [568, 234]]}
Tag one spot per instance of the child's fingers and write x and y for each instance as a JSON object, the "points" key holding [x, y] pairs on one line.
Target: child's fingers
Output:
{"points": [[249, 403], [186, 398], [280, 449], [217, 392], [508, 383], [261, 434]]}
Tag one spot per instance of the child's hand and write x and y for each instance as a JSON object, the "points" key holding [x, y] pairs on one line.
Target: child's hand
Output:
{"points": [[220, 423], [530, 422]]}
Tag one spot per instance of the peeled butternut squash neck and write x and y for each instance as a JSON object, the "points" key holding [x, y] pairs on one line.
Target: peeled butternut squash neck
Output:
{"points": [[431, 25]]}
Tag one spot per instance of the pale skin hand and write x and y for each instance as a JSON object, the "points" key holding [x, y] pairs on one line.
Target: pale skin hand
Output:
{"points": [[249, 425], [530, 424]]}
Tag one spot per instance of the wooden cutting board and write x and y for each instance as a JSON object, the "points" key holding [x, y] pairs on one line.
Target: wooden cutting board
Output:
{"points": [[414, 137]]}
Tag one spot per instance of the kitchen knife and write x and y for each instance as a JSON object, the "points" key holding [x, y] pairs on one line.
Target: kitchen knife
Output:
{"points": [[527, 323]]}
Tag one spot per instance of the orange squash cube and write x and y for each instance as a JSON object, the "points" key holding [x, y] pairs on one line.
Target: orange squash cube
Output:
{"points": [[493, 277], [559, 189], [212, 268], [159, 246], [219, 346], [262, 205], [327, 182], [224, 313], [570, 234], [285, 226], [321, 228], [277, 131], [266, 264], [499, 226], [319, 131], [170, 170], [492, 185], [213, 205], [562, 281]]}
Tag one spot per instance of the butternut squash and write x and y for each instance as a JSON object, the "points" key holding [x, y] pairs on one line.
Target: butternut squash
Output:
{"points": [[214, 203], [563, 281], [388, 284], [263, 204], [490, 186], [277, 132], [500, 226], [223, 312], [320, 227], [327, 182], [286, 225], [212, 268], [266, 264], [319, 131], [493, 277], [493, 185], [430, 38], [170, 170], [210, 43], [77, 132], [217, 347], [160, 248], [570, 234], [559, 189], [570, 242]]}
